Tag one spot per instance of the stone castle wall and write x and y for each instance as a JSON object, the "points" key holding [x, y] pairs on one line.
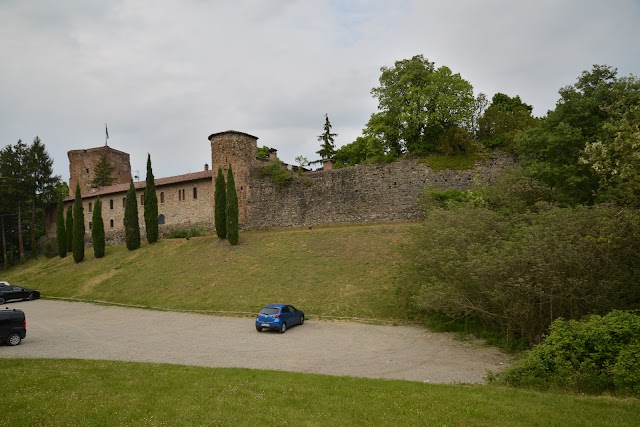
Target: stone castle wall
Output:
{"points": [[364, 193], [82, 164]]}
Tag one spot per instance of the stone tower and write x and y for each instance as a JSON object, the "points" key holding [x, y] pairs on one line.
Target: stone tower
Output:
{"points": [[239, 150], [82, 164]]}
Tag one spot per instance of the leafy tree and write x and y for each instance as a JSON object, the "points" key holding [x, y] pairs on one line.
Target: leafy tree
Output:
{"points": [[69, 228], [302, 162], [150, 205], [232, 209], [102, 173], [480, 104], [365, 149], [327, 144], [220, 200], [263, 152], [502, 120], [131, 224], [552, 151], [97, 231], [61, 235], [78, 227], [417, 104]]}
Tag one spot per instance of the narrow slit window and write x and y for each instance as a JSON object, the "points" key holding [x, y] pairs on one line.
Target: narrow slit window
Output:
{"points": [[195, 192]]}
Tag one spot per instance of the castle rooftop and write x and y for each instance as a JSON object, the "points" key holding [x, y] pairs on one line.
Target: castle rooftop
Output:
{"points": [[232, 132]]}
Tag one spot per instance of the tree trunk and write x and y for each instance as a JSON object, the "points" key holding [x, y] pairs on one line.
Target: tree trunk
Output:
{"points": [[20, 245], [32, 232]]}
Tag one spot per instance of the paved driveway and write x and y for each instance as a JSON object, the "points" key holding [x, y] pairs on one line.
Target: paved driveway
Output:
{"points": [[57, 329]]}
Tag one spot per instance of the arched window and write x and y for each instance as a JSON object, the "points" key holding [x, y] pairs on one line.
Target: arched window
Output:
{"points": [[160, 219], [111, 204], [195, 192], [89, 211], [162, 197]]}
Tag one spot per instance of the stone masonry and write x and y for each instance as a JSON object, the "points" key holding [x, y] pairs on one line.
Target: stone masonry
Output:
{"points": [[82, 164]]}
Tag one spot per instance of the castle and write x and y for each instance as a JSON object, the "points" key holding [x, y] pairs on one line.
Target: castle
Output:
{"points": [[358, 194]]}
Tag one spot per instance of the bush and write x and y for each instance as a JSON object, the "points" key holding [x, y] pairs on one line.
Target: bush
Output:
{"points": [[184, 233], [279, 174], [595, 355], [51, 248]]}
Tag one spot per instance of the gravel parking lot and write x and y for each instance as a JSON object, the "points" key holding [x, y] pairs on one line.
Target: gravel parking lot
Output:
{"points": [[57, 329]]}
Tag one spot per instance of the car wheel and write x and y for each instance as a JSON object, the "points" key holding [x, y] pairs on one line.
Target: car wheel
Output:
{"points": [[14, 339], [31, 297], [302, 319], [2, 300], [283, 327], [258, 328]]}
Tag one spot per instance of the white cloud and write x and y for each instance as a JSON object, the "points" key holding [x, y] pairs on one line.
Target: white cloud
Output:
{"points": [[166, 74]]}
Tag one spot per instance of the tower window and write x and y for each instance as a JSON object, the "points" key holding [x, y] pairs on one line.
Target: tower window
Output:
{"points": [[195, 192], [87, 170], [89, 210], [162, 197], [90, 225], [142, 199], [124, 202], [111, 223], [111, 204]]}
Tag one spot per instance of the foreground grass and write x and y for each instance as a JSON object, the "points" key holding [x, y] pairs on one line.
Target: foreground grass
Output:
{"points": [[337, 271], [100, 393]]}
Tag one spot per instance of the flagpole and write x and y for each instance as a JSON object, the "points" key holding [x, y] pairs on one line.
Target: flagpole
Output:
{"points": [[106, 130]]}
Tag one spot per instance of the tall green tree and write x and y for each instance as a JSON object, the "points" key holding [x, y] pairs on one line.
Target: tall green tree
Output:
{"points": [[97, 231], [232, 209], [61, 234], [417, 104], [220, 200], [102, 173], [131, 223], [150, 205], [327, 141], [78, 227], [69, 228], [503, 119]]}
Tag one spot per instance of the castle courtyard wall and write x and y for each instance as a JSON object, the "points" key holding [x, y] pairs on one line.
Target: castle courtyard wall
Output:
{"points": [[364, 193]]}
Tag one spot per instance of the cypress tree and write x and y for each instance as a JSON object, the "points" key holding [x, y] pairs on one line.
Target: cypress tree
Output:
{"points": [[97, 232], [69, 228], [220, 198], [78, 227], [150, 205], [131, 224], [61, 235], [232, 209]]}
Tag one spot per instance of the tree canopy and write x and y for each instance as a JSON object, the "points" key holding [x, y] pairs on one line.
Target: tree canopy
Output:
{"points": [[327, 141], [102, 173]]}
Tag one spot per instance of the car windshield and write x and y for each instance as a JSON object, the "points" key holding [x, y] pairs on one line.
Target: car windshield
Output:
{"points": [[268, 310]]}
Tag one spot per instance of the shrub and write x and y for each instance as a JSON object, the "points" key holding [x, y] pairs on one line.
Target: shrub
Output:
{"points": [[279, 174], [51, 247], [184, 233], [597, 354]]}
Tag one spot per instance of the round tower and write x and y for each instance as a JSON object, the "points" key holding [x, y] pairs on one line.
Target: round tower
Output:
{"points": [[239, 150]]}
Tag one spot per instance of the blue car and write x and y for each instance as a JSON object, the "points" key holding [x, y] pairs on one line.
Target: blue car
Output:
{"points": [[278, 317]]}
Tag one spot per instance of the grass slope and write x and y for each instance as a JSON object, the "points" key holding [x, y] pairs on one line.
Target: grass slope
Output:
{"points": [[101, 393], [335, 271]]}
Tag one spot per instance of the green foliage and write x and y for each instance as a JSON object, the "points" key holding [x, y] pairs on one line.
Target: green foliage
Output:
{"points": [[78, 227], [97, 231], [51, 248], [552, 152], [417, 104], [131, 224], [232, 209], [512, 261], [365, 149], [502, 120], [275, 170], [463, 161], [263, 152], [69, 228], [150, 205], [61, 235], [595, 355], [183, 233], [454, 141], [102, 173], [327, 144], [220, 214]]}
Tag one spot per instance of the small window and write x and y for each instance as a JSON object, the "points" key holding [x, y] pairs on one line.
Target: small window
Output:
{"points": [[111, 223], [195, 192], [90, 225], [89, 211], [124, 202], [183, 195], [179, 195], [160, 219], [111, 204], [162, 197], [142, 199], [87, 170]]}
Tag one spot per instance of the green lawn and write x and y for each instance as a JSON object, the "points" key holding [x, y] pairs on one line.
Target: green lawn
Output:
{"points": [[335, 271], [101, 393]]}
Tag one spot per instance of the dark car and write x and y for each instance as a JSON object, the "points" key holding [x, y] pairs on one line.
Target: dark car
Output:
{"points": [[278, 317], [13, 326], [9, 292]]}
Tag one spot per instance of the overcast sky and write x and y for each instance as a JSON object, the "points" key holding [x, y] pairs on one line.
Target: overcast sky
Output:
{"points": [[165, 74]]}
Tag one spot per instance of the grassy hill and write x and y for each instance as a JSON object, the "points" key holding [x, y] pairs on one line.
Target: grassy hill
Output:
{"points": [[333, 271]]}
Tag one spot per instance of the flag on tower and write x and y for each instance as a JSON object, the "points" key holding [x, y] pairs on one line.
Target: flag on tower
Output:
{"points": [[106, 129]]}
